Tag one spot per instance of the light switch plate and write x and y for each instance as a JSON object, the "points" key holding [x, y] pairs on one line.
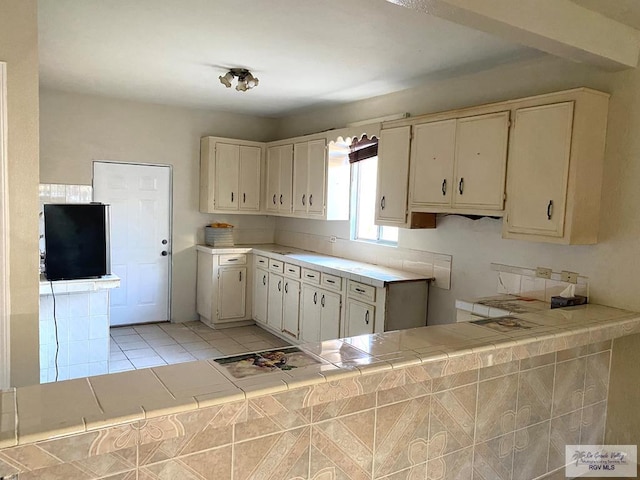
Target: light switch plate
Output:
{"points": [[543, 272], [569, 277]]}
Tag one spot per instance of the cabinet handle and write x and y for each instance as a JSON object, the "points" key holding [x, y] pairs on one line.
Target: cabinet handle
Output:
{"points": [[550, 209], [280, 199], [264, 280], [310, 276], [286, 287], [232, 260], [231, 197], [366, 317], [315, 298], [311, 200], [304, 199], [382, 203], [330, 281], [322, 301], [244, 198], [240, 277], [280, 285], [359, 290], [444, 187], [274, 198], [461, 186]]}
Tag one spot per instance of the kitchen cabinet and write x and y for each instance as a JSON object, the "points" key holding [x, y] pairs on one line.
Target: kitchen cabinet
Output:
{"points": [[276, 301], [555, 170], [230, 175], [319, 314], [279, 179], [309, 177], [459, 165], [221, 291], [291, 309], [360, 318], [260, 295], [393, 176]]}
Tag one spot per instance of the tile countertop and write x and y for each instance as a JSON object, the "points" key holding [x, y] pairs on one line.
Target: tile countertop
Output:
{"points": [[374, 275], [79, 285], [39, 412]]}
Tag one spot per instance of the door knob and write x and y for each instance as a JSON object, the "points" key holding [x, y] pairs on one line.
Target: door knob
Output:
{"points": [[164, 241], [165, 253]]}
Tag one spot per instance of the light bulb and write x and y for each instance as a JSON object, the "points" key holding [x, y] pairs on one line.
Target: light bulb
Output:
{"points": [[251, 81], [242, 85]]}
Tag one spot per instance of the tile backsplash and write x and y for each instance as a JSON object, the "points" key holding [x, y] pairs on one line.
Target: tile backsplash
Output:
{"points": [[523, 281]]}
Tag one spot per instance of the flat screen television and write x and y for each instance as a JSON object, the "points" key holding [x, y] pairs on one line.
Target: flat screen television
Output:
{"points": [[76, 239]]}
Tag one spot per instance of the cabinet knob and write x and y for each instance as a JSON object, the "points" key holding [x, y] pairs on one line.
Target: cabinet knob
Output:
{"points": [[550, 210], [444, 187]]}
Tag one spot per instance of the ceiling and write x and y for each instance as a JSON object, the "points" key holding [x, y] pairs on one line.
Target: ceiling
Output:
{"points": [[626, 12], [306, 53]]}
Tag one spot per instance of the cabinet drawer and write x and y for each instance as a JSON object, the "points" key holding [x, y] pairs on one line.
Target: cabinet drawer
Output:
{"points": [[232, 259], [276, 266], [292, 271], [361, 291], [311, 276], [331, 281], [262, 262]]}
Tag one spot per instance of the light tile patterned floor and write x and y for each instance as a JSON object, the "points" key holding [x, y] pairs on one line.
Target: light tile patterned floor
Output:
{"points": [[168, 343]]}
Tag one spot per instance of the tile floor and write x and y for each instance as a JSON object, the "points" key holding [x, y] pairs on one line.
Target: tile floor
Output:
{"points": [[168, 343]]}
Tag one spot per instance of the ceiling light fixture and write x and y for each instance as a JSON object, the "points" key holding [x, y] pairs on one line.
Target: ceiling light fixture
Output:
{"points": [[246, 81]]}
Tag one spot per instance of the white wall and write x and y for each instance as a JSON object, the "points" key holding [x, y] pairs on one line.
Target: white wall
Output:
{"points": [[611, 265], [19, 48], [77, 129]]}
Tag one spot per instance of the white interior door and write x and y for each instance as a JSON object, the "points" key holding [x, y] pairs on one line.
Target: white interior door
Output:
{"points": [[140, 199]]}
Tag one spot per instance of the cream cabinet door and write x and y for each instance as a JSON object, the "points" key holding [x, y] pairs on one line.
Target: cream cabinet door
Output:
{"points": [[273, 179], [300, 177], [249, 182], [286, 178], [232, 292], [359, 318], [393, 176], [275, 301], [330, 304], [310, 311], [226, 176], [539, 168], [291, 310], [317, 181], [260, 295], [481, 160], [432, 158]]}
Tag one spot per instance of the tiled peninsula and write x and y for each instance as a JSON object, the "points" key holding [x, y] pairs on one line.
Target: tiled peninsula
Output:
{"points": [[81, 309], [451, 401]]}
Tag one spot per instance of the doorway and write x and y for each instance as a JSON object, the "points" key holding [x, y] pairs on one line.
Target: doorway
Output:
{"points": [[140, 199]]}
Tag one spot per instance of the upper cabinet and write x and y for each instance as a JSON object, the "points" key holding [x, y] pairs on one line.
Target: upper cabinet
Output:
{"points": [[230, 175], [459, 165], [309, 174], [279, 178], [554, 178], [393, 175]]}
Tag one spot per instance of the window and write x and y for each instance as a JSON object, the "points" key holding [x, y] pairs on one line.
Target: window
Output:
{"points": [[363, 205]]}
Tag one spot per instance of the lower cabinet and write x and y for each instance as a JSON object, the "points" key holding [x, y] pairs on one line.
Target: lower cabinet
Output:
{"points": [[360, 318], [319, 314], [221, 295], [275, 301], [260, 295], [291, 308]]}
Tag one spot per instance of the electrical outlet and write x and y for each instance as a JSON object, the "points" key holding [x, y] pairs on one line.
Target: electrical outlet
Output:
{"points": [[570, 277], [543, 272], [332, 239]]}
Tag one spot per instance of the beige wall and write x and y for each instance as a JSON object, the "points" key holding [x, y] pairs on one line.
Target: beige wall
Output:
{"points": [[77, 129], [611, 265], [19, 48]]}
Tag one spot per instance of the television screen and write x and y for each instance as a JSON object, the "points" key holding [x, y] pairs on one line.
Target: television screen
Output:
{"points": [[76, 241]]}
